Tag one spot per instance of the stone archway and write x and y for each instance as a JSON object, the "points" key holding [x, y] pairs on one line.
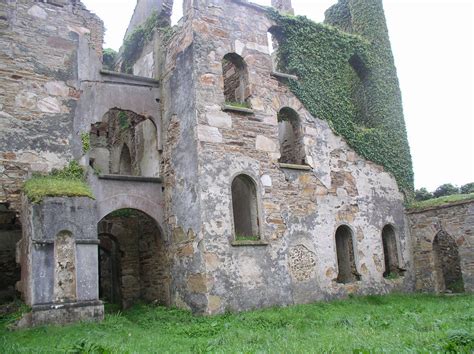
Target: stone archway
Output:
{"points": [[133, 259], [447, 264]]}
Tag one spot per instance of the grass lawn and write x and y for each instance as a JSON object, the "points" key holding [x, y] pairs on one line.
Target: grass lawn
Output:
{"points": [[373, 324]]}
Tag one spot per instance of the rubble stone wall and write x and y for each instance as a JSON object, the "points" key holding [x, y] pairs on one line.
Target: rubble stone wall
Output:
{"points": [[300, 209], [453, 226]]}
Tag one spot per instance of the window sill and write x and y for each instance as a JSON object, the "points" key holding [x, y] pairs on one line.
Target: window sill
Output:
{"points": [[131, 178], [227, 107], [243, 243], [279, 75], [290, 166]]}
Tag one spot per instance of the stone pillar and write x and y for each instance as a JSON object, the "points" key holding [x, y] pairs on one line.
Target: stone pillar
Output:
{"points": [[59, 259], [283, 6]]}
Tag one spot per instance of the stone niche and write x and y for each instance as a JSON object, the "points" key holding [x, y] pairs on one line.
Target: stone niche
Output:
{"points": [[59, 261]]}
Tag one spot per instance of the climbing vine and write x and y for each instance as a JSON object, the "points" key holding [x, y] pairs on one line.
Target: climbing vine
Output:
{"points": [[136, 41], [349, 80]]}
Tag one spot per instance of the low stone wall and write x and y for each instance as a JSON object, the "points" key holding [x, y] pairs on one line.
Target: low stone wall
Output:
{"points": [[439, 235]]}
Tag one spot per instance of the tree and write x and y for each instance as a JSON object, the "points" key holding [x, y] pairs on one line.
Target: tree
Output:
{"points": [[109, 57], [445, 189], [467, 188], [423, 194]]}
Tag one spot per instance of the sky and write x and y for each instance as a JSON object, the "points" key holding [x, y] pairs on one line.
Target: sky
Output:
{"points": [[433, 45]]}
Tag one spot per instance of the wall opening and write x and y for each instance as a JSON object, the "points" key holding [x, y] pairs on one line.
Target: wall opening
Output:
{"points": [[133, 261], [345, 256], [390, 252], [64, 267], [447, 264], [10, 235], [236, 83], [358, 79], [125, 164], [290, 136], [125, 143], [245, 209]]}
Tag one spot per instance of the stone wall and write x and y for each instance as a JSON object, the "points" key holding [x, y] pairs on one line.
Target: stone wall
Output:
{"points": [[39, 49], [299, 209], [440, 236]]}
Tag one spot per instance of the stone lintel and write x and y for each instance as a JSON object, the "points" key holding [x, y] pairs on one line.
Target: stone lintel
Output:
{"points": [[244, 243], [132, 178]]}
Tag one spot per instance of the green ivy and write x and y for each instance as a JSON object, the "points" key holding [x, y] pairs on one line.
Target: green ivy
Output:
{"points": [[135, 42], [349, 79], [123, 120], [86, 142], [109, 56]]}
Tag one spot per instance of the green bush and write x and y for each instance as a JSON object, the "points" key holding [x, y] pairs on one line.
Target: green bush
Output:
{"points": [[422, 194], [445, 190], [467, 188], [109, 56]]}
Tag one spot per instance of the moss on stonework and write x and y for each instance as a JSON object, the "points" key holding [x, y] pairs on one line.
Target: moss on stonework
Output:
{"points": [[68, 182], [349, 80], [442, 201]]}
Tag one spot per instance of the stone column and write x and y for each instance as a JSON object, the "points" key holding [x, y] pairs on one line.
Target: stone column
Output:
{"points": [[283, 6]]}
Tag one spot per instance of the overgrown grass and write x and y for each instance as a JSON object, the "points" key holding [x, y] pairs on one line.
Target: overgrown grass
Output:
{"points": [[68, 182], [430, 203], [373, 324]]}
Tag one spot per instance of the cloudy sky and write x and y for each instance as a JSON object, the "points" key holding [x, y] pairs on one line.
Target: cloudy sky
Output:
{"points": [[433, 43]]}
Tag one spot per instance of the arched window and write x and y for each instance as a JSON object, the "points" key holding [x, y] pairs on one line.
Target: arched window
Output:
{"points": [[65, 267], [236, 87], [390, 251], [345, 255], [244, 206], [447, 264], [290, 135], [125, 165]]}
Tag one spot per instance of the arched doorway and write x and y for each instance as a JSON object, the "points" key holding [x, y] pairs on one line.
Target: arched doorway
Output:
{"points": [[447, 264], [133, 262]]}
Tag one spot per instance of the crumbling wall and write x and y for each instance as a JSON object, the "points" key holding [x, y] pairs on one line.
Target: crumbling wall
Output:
{"points": [[301, 207], [443, 240], [39, 72]]}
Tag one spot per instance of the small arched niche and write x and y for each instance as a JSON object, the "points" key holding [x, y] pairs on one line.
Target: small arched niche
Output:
{"points": [[290, 136], [64, 267], [447, 264], [245, 208], [390, 252], [236, 83], [345, 255]]}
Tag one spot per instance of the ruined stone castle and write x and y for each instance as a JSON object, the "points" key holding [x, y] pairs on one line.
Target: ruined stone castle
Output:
{"points": [[215, 188]]}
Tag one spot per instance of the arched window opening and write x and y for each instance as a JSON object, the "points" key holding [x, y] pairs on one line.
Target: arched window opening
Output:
{"points": [[245, 210], [132, 259], [390, 252], [125, 164], [64, 267], [290, 135], [447, 264], [236, 86], [358, 79], [125, 143], [345, 256]]}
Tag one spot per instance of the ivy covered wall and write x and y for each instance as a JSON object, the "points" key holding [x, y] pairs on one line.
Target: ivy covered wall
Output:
{"points": [[347, 76]]}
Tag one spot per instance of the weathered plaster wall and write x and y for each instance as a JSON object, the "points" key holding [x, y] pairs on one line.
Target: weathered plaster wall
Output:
{"points": [[457, 221], [39, 49], [299, 210]]}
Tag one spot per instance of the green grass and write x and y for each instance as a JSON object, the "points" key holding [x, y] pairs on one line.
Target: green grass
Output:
{"points": [[39, 187], [430, 203], [372, 324]]}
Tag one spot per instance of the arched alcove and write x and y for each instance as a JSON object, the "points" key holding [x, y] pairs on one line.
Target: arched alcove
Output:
{"points": [[125, 162], [390, 251], [245, 208], [447, 264], [236, 83], [345, 255], [65, 267], [358, 74], [290, 136]]}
